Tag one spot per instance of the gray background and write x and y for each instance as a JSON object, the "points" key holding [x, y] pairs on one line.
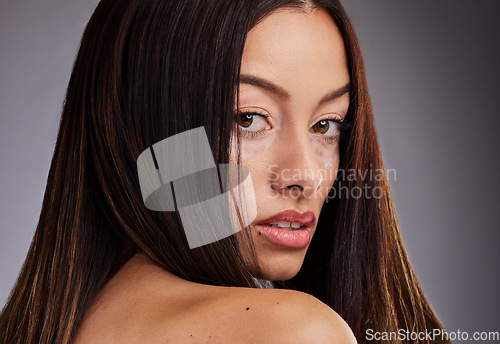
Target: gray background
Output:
{"points": [[433, 74]]}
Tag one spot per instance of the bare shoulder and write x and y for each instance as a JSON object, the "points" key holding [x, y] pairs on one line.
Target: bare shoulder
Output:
{"points": [[144, 304], [282, 316]]}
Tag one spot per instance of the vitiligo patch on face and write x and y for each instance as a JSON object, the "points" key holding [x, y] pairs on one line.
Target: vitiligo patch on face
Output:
{"points": [[326, 154], [251, 147], [213, 203]]}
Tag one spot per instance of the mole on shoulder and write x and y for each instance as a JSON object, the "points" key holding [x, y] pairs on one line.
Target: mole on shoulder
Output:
{"points": [[248, 308]]}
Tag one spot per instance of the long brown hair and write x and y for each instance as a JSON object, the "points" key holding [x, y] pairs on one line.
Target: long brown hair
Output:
{"points": [[149, 69]]}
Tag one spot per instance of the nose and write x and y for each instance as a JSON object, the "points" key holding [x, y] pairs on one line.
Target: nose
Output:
{"points": [[295, 171]]}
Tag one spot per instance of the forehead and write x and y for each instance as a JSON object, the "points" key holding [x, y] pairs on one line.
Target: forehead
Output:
{"points": [[293, 45]]}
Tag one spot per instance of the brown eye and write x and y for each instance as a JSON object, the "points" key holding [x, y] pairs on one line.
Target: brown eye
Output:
{"points": [[245, 119], [321, 127], [252, 121]]}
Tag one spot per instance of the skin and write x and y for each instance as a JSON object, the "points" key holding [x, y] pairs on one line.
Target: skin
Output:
{"points": [[303, 54], [143, 303]]}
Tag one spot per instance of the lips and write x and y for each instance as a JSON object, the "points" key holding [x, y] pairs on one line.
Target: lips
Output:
{"points": [[306, 219], [288, 228]]}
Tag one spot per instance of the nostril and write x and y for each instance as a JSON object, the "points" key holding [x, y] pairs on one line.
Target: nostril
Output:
{"points": [[276, 187], [294, 190]]}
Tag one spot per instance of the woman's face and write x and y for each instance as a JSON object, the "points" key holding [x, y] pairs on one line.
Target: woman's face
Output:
{"points": [[294, 91]]}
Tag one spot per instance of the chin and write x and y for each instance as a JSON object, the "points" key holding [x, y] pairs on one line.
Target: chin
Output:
{"points": [[276, 263], [281, 275], [282, 267]]}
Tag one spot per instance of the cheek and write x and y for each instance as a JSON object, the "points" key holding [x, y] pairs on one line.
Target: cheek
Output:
{"points": [[252, 148], [255, 156], [327, 155]]}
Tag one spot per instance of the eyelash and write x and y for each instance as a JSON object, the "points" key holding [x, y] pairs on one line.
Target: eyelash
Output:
{"points": [[344, 126]]}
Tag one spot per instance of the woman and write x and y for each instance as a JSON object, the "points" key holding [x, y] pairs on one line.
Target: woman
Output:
{"points": [[279, 88]]}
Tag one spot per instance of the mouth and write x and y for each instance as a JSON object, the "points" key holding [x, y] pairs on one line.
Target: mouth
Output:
{"points": [[288, 228], [293, 226]]}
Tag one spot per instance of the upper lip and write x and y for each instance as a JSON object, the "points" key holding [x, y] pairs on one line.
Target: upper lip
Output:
{"points": [[307, 218]]}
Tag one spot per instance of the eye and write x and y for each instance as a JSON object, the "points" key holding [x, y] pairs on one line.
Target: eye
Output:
{"points": [[328, 127], [252, 122]]}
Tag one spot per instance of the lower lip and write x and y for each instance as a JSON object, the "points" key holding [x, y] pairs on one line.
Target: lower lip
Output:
{"points": [[287, 238]]}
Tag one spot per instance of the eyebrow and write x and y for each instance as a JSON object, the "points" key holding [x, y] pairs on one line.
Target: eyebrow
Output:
{"points": [[282, 93]]}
